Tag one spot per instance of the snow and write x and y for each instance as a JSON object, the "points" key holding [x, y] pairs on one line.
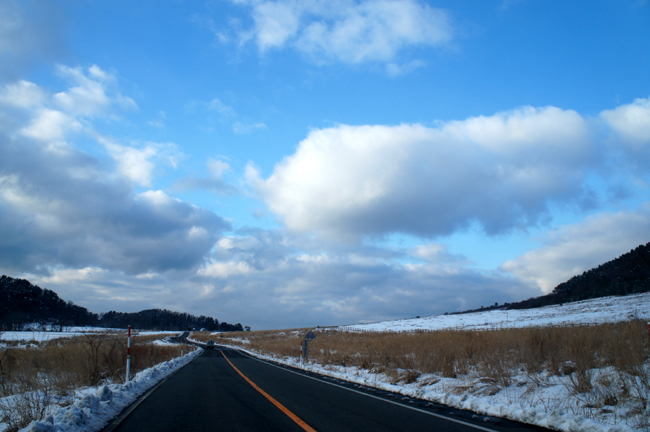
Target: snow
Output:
{"points": [[47, 335], [594, 311], [95, 407]]}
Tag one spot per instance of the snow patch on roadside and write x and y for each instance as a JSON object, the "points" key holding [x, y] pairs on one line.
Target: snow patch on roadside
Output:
{"points": [[95, 407]]}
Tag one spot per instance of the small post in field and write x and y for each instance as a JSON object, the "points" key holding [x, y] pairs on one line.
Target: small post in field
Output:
{"points": [[304, 346], [128, 356]]}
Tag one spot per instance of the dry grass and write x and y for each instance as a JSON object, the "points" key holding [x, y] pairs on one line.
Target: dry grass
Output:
{"points": [[493, 353], [34, 377]]}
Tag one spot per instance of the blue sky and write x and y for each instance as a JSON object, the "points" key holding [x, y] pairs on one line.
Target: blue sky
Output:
{"points": [[301, 163]]}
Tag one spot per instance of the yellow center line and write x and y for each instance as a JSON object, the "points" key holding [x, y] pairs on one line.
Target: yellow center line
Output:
{"points": [[291, 415]]}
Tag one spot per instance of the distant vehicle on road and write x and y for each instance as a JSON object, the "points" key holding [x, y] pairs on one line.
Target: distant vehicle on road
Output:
{"points": [[210, 344]]}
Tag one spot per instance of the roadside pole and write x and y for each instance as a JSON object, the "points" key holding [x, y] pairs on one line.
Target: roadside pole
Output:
{"points": [[128, 356], [304, 347]]}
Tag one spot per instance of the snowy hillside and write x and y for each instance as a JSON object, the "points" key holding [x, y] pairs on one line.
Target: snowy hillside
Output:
{"points": [[600, 310]]}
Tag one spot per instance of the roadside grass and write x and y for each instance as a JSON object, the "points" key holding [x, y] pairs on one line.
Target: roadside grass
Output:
{"points": [[41, 374], [601, 366]]}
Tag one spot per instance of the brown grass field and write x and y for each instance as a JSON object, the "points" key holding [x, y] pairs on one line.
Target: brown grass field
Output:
{"points": [[47, 373], [494, 353]]}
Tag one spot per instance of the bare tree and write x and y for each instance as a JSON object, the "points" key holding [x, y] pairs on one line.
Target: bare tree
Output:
{"points": [[92, 345]]}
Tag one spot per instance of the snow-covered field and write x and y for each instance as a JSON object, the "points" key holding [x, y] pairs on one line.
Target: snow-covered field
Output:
{"points": [[94, 407], [46, 334], [594, 311]]}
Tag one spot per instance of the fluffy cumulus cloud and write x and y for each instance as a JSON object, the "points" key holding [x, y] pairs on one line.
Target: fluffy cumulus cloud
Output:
{"points": [[500, 171], [573, 249], [62, 208], [349, 31], [631, 121], [629, 128]]}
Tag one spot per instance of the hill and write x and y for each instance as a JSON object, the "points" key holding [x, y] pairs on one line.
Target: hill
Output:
{"points": [[627, 274], [21, 302]]}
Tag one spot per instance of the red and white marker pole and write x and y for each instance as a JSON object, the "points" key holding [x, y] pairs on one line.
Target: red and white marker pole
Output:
{"points": [[128, 356]]}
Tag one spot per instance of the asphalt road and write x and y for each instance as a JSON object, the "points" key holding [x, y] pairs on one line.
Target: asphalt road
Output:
{"points": [[223, 389]]}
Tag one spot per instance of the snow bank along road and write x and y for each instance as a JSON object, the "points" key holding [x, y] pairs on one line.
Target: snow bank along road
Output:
{"points": [[225, 389]]}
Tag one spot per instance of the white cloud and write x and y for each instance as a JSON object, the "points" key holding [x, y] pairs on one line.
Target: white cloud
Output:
{"points": [[346, 30], [36, 114], [69, 210], [573, 249], [89, 97], [218, 167], [137, 162], [133, 163], [51, 125], [23, 94], [631, 121], [501, 171], [224, 270]]}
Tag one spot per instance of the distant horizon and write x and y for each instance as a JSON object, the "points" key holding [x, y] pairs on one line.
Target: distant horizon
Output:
{"points": [[282, 163], [630, 259]]}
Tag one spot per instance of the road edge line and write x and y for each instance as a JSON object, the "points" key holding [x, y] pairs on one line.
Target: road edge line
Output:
{"points": [[117, 420]]}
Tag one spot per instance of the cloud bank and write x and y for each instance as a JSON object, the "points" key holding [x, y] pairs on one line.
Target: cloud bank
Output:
{"points": [[501, 171], [63, 208]]}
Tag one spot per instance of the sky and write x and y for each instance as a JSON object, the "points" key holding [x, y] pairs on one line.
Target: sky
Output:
{"points": [[287, 164]]}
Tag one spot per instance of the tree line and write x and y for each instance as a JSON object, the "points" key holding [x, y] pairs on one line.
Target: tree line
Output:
{"points": [[23, 303]]}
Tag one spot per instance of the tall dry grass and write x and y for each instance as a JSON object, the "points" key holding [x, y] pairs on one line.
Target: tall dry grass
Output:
{"points": [[33, 378], [493, 353]]}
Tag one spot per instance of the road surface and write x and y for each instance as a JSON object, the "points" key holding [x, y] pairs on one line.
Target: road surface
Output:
{"points": [[224, 389]]}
